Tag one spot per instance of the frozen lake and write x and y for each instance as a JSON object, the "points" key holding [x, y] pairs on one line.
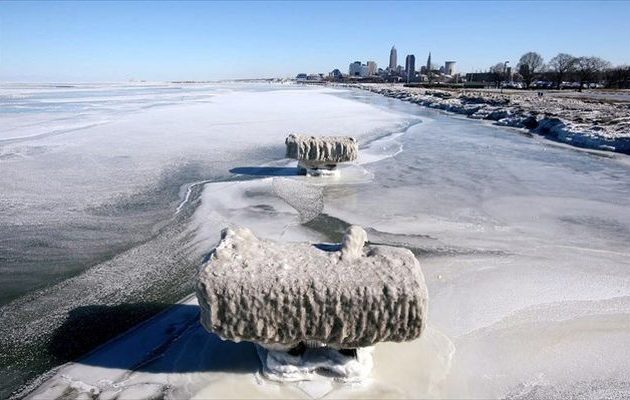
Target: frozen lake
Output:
{"points": [[111, 195]]}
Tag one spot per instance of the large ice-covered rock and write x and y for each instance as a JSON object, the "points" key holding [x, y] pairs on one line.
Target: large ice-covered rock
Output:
{"points": [[321, 153], [280, 295]]}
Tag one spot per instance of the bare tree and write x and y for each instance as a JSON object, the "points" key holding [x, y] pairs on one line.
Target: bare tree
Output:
{"points": [[498, 73], [589, 69], [618, 77], [529, 64], [562, 64], [517, 77]]}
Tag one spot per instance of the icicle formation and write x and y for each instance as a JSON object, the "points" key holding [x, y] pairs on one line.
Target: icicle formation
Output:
{"points": [[322, 150]]}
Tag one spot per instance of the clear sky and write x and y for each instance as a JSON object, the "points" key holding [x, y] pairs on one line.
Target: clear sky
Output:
{"points": [[117, 41]]}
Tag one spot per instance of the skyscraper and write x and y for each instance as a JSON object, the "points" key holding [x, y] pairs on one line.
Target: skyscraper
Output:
{"points": [[372, 68], [410, 67], [449, 67], [429, 64], [393, 58]]}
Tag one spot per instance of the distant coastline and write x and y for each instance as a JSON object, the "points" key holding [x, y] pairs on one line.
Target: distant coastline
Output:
{"points": [[587, 121]]}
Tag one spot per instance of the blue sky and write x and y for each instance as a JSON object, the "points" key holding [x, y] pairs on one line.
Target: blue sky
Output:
{"points": [[117, 41]]}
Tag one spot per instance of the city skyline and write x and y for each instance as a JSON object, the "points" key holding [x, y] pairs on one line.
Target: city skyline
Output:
{"points": [[393, 58], [99, 41]]}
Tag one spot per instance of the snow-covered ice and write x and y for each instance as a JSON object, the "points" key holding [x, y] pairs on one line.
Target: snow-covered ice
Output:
{"points": [[99, 216], [523, 244]]}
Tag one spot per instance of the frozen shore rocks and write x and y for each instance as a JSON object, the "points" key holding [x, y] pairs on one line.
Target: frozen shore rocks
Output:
{"points": [[284, 296], [319, 155], [581, 122]]}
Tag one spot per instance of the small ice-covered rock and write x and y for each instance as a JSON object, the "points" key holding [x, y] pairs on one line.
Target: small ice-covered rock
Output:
{"points": [[320, 155], [280, 295], [284, 367]]}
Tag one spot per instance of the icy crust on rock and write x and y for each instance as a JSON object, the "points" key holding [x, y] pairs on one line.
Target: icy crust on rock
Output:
{"points": [[278, 295], [316, 363], [321, 150]]}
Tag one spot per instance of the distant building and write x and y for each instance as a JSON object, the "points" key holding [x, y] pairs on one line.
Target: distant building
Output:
{"points": [[372, 68], [410, 67], [355, 69], [480, 78], [429, 63], [449, 68], [393, 58], [335, 74], [301, 77], [358, 69]]}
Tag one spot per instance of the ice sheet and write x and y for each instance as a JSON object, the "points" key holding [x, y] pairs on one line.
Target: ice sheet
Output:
{"points": [[112, 174], [96, 216], [523, 245]]}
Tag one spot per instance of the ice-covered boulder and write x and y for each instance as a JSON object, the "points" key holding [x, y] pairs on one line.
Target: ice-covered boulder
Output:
{"points": [[281, 295], [317, 155]]}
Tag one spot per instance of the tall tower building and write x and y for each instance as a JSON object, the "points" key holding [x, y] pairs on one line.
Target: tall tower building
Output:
{"points": [[429, 64], [410, 67], [449, 67], [372, 68], [393, 58]]}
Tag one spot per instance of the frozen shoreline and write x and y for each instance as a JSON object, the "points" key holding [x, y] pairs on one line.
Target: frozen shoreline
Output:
{"points": [[598, 125]]}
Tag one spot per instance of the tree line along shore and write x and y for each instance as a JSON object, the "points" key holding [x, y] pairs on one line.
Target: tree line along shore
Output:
{"points": [[564, 71]]}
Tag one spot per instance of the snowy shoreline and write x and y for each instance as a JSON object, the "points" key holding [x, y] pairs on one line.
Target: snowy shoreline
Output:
{"points": [[598, 125]]}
